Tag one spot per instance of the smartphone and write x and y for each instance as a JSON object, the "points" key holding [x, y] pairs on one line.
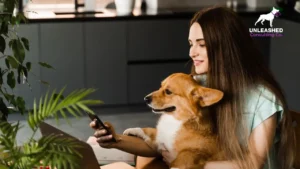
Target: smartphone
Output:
{"points": [[100, 123]]}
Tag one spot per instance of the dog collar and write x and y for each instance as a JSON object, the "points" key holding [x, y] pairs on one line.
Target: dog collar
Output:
{"points": [[276, 14]]}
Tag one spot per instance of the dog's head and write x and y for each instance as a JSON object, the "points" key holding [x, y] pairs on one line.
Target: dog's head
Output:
{"points": [[181, 95], [276, 12]]}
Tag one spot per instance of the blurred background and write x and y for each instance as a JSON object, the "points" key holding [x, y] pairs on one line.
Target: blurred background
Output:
{"points": [[125, 48]]}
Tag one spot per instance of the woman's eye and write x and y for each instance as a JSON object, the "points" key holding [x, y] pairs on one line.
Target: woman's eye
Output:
{"points": [[202, 45], [168, 92]]}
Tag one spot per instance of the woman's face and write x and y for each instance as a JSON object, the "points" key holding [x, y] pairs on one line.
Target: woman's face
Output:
{"points": [[198, 49]]}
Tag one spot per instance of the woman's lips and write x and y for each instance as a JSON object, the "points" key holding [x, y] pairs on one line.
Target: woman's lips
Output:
{"points": [[197, 62]]}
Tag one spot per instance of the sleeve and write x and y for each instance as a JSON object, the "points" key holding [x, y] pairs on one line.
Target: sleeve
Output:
{"points": [[266, 105]]}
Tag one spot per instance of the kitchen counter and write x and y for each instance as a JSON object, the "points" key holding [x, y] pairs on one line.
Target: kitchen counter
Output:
{"points": [[39, 16]]}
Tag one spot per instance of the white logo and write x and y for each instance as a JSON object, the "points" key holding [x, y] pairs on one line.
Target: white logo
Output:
{"points": [[270, 17], [267, 32]]}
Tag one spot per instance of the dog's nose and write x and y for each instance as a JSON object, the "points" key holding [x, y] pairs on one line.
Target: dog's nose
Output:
{"points": [[148, 99]]}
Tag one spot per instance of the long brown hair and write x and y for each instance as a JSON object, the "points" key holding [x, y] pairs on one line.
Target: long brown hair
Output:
{"points": [[235, 64]]}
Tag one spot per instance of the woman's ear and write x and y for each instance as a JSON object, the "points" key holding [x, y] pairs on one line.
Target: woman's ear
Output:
{"points": [[207, 96]]}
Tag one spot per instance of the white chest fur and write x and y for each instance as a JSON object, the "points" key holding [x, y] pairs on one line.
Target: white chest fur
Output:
{"points": [[167, 129]]}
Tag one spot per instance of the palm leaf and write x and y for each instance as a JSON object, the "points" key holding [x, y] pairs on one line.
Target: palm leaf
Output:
{"points": [[8, 133], [61, 148], [74, 103], [52, 150]]}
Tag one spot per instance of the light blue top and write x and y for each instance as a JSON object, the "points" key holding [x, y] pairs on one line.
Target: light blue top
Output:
{"points": [[261, 103]]}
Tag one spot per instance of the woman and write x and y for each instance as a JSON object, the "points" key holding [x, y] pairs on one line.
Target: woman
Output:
{"points": [[252, 120]]}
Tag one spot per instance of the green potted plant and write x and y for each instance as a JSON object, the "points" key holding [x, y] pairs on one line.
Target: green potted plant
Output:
{"points": [[49, 150]]}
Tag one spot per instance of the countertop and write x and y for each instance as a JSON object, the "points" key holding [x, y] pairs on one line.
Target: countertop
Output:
{"points": [[40, 16]]}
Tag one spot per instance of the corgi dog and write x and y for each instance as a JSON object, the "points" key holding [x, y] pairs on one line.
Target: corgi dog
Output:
{"points": [[185, 128]]}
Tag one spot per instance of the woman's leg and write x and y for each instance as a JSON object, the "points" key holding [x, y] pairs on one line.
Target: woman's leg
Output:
{"points": [[117, 165], [150, 163], [141, 163]]}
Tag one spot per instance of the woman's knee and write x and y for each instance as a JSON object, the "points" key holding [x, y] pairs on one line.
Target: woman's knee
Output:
{"points": [[117, 165], [150, 163]]}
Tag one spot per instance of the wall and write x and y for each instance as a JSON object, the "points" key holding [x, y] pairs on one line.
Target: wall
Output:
{"points": [[285, 59]]}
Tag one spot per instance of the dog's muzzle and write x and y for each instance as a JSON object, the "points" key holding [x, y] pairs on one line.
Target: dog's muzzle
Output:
{"points": [[148, 99], [168, 109]]}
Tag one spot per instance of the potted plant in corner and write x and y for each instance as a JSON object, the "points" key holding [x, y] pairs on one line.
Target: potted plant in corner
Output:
{"points": [[49, 150]]}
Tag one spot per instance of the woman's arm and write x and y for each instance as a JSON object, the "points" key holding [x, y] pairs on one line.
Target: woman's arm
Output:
{"points": [[130, 144], [135, 145], [261, 140]]}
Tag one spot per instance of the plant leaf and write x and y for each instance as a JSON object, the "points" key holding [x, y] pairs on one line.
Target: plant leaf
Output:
{"points": [[14, 64], [46, 65], [19, 74], [25, 42], [28, 66], [11, 42], [25, 72], [21, 17], [2, 166], [13, 20], [44, 82], [10, 5], [18, 50], [3, 109], [58, 95], [58, 151], [49, 107], [2, 44], [64, 116], [8, 97], [7, 63], [4, 28], [11, 81], [21, 104]]}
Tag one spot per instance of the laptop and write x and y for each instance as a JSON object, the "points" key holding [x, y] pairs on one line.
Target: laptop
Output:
{"points": [[88, 160]]}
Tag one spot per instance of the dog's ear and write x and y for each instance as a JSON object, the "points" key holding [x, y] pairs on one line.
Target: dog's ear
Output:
{"points": [[207, 96]]}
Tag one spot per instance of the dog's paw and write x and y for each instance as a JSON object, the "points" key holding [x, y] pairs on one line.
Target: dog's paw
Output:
{"points": [[138, 132], [130, 131]]}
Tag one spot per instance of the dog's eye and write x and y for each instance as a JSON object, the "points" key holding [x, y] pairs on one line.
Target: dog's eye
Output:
{"points": [[168, 92]]}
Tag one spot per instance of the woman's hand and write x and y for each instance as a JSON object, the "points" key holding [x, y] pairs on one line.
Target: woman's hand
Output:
{"points": [[168, 157], [103, 139]]}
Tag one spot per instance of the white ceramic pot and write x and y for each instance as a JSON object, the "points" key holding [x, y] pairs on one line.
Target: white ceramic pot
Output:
{"points": [[90, 5], [260, 3], [151, 7], [297, 6], [124, 7], [1, 7]]}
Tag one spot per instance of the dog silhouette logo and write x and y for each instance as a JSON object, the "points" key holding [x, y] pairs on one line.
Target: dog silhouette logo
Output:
{"points": [[270, 17]]}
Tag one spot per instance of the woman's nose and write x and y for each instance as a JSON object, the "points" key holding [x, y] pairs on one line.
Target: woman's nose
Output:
{"points": [[193, 52]]}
